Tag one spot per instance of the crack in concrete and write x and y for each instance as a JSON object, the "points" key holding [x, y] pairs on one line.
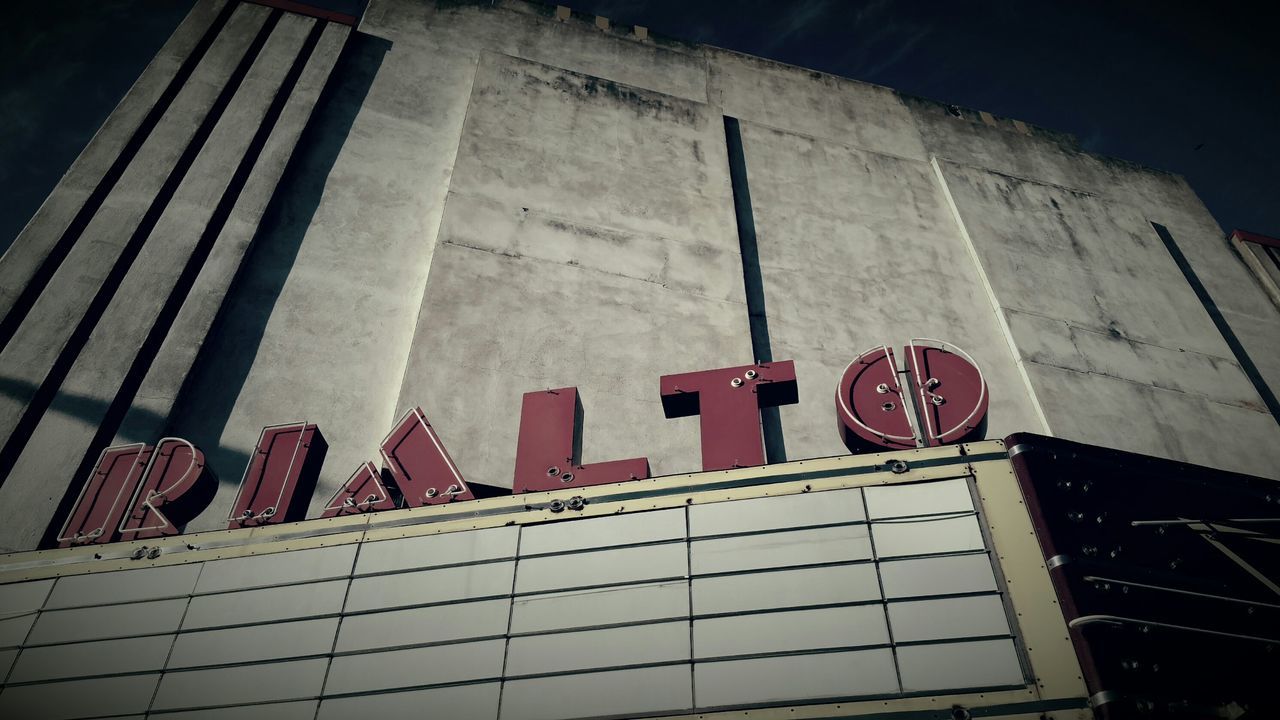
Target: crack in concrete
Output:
{"points": [[1151, 385], [579, 266]]}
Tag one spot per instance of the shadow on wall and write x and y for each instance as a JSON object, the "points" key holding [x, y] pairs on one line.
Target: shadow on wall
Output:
{"points": [[85, 407], [211, 390]]}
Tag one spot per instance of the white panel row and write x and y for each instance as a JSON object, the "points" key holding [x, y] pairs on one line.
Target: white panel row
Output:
{"points": [[527, 655], [250, 607], [594, 649], [415, 667], [845, 543], [78, 698], [178, 581], [14, 626], [296, 680], [897, 538], [435, 624], [124, 586], [600, 606], [18, 605], [799, 677], [603, 532], [776, 513], [108, 621], [785, 588], [384, 592], [923, 668], [276, 569], [832, 507], [615, 693], [962, 665], [928, 498], [254, 643], [583, 608], [437, 550], [298, 710], [461, 702], [92, 658], [265, 605], [946, 575], [667, 688], [796, 630], [602, 567], [944, 618]]}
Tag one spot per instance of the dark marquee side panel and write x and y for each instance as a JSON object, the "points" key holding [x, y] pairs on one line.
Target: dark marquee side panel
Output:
{"points": [[1167, 574]]}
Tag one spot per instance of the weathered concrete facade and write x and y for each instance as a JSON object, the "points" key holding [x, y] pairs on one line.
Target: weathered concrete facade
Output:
{"points": [[451, 205]]}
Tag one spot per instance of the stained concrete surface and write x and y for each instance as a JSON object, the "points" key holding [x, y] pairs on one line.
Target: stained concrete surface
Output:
{"points": [[488, 201], [858, 249], [1118, 349], [588, 240]]}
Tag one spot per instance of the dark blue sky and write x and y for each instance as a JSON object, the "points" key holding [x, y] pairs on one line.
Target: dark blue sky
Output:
{"points": [[1194, 88]]}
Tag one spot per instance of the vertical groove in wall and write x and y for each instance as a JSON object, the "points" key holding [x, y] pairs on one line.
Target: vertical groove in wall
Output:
{"points": [[44, 395], [44, 273], [1233, 342], [150, 347], [753, 282]]}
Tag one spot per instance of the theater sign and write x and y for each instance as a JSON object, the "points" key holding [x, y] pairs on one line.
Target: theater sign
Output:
{"points": [[941, 577], [139, 491]]}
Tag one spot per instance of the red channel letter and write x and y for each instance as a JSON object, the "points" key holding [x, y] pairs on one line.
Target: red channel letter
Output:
{"points": [[280, 477], [728, 401], [420, 466], [363, 492], [870, 407], [875, 408], [950, 391], [175, 488], [96, 517], [549, 449]]}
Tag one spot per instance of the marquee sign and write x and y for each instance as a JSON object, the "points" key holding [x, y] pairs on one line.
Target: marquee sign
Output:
{"points": [[141, 491]]}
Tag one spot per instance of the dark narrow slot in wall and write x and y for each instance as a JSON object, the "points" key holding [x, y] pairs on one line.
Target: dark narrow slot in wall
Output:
{"points": [[753, 281], [44, 395], [44, 273], [1233, 342], [150, 347]]}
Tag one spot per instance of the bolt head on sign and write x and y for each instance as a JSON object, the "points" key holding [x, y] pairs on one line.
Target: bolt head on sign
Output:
{"points": [[939, 398]]}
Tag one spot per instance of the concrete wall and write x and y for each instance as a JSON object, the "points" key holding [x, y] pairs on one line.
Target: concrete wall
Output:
{"points": [[856, 244], [1116, 348], [486, 200]]}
